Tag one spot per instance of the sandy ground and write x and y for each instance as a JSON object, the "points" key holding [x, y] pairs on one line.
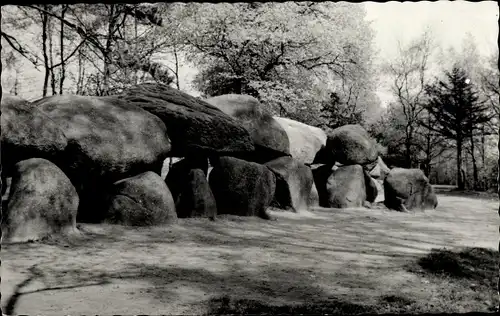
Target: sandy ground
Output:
{"points": [[356, 255]]}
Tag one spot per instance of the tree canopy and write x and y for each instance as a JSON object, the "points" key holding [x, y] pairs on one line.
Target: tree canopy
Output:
{"points": [[278, 52]]}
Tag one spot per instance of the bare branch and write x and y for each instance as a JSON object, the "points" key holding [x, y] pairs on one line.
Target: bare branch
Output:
{"points": [[70, 55], [77, 28], [12, 41]]}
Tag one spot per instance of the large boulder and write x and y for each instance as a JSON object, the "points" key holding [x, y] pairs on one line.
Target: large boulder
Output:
{"points": [[194, 126], [348, 145], [42, 202], [371, 187], [321, 173], [108, 140], [305, 140], [380, 170], [27, 133], [242, 188], [342, 187], [294, 182], [142, 200], [177, 176], [408, 189], [12, 100], [269, 137], [108, 136], [196, 198]]}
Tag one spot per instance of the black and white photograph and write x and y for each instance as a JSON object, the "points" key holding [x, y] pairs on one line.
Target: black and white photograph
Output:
{"points": [[250, 158]]}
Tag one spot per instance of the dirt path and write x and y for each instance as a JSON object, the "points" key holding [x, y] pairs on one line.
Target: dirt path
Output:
{"points": [[355, 255]]}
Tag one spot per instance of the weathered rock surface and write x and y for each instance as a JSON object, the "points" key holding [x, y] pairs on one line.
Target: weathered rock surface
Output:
{"points": [[321, 173], [408, 189], [294, 182], [108, 140], [343, 187], [196, 198], [346, 187], [142, 200], [177, 176], [27, 133], [242, 188], [270, 139], [107, 136], [348, 145], [42, 202], [305, 140], [194, 126]]}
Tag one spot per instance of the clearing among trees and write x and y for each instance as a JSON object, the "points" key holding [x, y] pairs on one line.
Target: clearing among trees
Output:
{"points": [[350, 261]]}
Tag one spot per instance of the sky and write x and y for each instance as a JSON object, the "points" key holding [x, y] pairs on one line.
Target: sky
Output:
{"points": [[449, 21]]}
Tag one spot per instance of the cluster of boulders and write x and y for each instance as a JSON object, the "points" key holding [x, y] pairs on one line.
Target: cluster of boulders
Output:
{"points": [[99, 159]]}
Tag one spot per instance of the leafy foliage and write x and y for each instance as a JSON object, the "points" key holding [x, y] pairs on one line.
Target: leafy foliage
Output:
{"points": [[278, 52], [338, 112], [455, 106], [457, 111]]}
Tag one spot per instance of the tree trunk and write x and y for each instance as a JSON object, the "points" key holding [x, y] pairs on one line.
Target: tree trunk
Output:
{"points": [[407, 153], [105, 79], [79, 81], [408, 141], [45, 19], [475, 177], [428, 153], [136, 77], [483, 146], [460, 179], [176, 68], [484, 183], [51, 61], [62, 74], [107, 52], [427, 167]]}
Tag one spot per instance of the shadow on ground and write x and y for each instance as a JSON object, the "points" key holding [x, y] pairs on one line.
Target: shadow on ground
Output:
{"points": [[331, 261], [476, 267], [51, 283], [332, 306], [467, 275], [267, 284], [479, 265]]}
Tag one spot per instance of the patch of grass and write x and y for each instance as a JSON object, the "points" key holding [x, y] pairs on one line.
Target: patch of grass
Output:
{"points": [[468, 275], [472, 264], [333, 306], [396, 300], [462, 280], [227, 306]]}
